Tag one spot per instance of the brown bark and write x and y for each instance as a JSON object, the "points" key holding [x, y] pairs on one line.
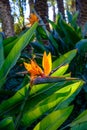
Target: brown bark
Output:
{"points": [[41, 8], [6, 18], [81, 6], [60, 6]]}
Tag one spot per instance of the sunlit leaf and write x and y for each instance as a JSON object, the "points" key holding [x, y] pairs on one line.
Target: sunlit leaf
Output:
{"points": [[14, 54], [7, 124], [54, 120], [65, 59], [42, 107], [42, 103], [61, 70]]}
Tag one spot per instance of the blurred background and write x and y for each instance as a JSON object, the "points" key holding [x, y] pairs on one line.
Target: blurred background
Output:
{"points": [[14, 13]]}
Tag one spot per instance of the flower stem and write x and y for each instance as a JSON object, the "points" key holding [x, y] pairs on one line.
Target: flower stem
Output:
{"points": [[18, 119]]}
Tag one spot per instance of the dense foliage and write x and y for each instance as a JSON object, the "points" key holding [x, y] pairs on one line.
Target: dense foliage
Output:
{"points": [[52, 101]]}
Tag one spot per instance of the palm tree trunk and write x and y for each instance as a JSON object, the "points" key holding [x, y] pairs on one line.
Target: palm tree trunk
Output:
{"points": [[41, 8], [60, 6], [31, 5], [6, 18], [81, 6], [53, 7]]}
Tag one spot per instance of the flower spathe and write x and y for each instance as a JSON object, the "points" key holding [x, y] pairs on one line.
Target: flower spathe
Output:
{"points": [[34, 69], [32, 19]]}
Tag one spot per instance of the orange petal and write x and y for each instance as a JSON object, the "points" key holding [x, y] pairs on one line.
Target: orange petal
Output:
{"points": [[33, 68], [47, 63], [28, 67], [33, 18], [36, 68]]}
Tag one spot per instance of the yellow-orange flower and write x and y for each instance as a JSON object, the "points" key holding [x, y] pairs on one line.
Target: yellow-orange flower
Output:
{"points": [[35, 70], [47, 63], [32, 19]]}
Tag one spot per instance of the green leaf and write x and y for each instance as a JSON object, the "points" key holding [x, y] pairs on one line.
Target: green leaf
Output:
{"points": [[65, 59], [67, 75], [35, 95], [33, 113], [52, 40], [75, 89], [40, 88], [70, 33], [9, 46], [82, 46], [38, 47], [54, 120], [12, 101], [61, 70], [41, 31], [7, 124], [82, 126], [1, 51], [80, 122], [73, 19], [43, 102], [6, 41], [15, 53]]}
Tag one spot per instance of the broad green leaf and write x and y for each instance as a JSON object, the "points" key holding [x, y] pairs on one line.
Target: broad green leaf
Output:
{"points": [[61, 70], [38, 47], [73, 19], [1, 51], [37, 101], [79, 121], [44, 87], [52, 40], [7, 124], [35, 109], [70, 33], [34, 112], [57, 28], [19, 96], [81, 126], [6, 41], [41, 31], [75, 88], [65, 59], [14, 54], [8, 47], [16, 98], [82, 46], [54, 120], [67, 75]]}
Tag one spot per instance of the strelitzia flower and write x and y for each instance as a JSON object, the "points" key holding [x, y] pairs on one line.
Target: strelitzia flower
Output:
{"points": [[32, 19], [35, 70], [39, 75]]}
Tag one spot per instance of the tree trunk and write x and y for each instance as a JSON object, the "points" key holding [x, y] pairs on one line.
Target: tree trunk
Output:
{"points": [[6, 18], [60, 6], [81, 6], [53, 8], [41, 8], [31, 5]]}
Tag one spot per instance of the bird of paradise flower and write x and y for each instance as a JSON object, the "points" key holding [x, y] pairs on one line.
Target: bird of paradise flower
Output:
{"points": [[32, 19], [39, 75]]}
